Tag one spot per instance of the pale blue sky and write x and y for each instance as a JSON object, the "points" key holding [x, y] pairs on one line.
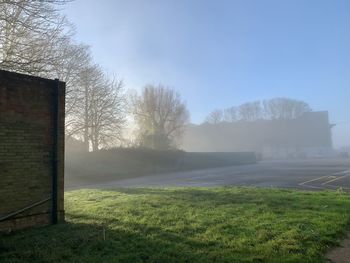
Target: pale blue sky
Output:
{"points": [[223, 53]]}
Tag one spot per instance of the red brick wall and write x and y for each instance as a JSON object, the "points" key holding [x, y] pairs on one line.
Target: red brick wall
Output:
{"points": [[26, 148]]}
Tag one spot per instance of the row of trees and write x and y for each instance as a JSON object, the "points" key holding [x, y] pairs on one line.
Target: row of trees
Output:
{"points": [[272, 109], [35, 38]]}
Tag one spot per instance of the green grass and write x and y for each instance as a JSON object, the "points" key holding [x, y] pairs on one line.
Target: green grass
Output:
{"points": [[187, 225]]}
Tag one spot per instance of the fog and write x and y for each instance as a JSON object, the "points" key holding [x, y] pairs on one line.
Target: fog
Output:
{"points": [[242, 139], [341, 136], [174, 131], [176, 86]]}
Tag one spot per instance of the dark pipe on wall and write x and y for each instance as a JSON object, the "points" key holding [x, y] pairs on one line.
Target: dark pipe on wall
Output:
{"points": [[55, 151]]}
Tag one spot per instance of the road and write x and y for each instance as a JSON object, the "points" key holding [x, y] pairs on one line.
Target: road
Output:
{"points": [[316, 174]]}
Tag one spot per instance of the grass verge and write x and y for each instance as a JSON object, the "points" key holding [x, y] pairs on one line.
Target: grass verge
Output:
{"points": [[187, 225]]}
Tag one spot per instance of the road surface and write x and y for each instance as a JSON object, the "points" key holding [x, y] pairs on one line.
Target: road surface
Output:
{"points": [[316, 174]]}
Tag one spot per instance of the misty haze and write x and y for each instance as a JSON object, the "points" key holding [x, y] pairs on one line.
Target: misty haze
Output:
{"points": [[174, 131]]}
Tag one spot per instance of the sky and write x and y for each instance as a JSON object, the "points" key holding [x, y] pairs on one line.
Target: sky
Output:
{"points": [[221, 53]]}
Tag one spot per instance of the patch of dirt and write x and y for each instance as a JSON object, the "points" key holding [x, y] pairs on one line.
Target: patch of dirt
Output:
{"points": [[340, 254]]}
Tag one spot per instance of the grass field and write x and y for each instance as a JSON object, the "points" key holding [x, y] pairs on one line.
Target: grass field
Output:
{"points": [[187, 225]]}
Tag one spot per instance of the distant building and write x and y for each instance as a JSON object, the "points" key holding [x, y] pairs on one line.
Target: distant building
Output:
{"points": [[307, 136], [344, 151]]}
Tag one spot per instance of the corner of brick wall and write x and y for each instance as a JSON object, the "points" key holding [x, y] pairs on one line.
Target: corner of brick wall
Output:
{"points": [[26, 149]]}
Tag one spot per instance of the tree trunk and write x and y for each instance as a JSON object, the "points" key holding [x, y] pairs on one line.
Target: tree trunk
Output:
{"points": [[86, 121]]}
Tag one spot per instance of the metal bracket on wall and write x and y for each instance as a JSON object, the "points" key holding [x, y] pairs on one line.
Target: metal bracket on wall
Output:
{"points": [[3, 218]]}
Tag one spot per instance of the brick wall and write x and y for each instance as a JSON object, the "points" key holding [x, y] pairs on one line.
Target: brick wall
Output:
{"points": [[27, 125]]}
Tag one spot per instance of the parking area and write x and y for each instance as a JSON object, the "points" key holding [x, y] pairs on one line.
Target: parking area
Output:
{"points": [[333, 181], [310, 174]]}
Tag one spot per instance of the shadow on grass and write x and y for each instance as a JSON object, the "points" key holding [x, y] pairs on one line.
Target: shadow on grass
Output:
{"points": [[70, 242], [131, 229], [273, 198]]}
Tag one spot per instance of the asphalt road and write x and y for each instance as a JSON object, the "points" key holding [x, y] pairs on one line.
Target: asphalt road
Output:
{"points": [[316, 174]]}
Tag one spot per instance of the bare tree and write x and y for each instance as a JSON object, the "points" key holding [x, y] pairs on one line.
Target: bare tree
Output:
{"points": [[35, 38], [160, 115], [215, 117], [250, 111], [277, 108], [77, 124], [106, 114], [231, 114], [99, 112], [29, 33], [75, 60], [284, 108]]}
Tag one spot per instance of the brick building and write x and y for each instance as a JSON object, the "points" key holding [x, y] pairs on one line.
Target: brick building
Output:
{"points": [[31, 150]]}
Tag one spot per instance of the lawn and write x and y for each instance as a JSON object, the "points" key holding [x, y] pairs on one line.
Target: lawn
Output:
{"points": [[187, 225]]}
